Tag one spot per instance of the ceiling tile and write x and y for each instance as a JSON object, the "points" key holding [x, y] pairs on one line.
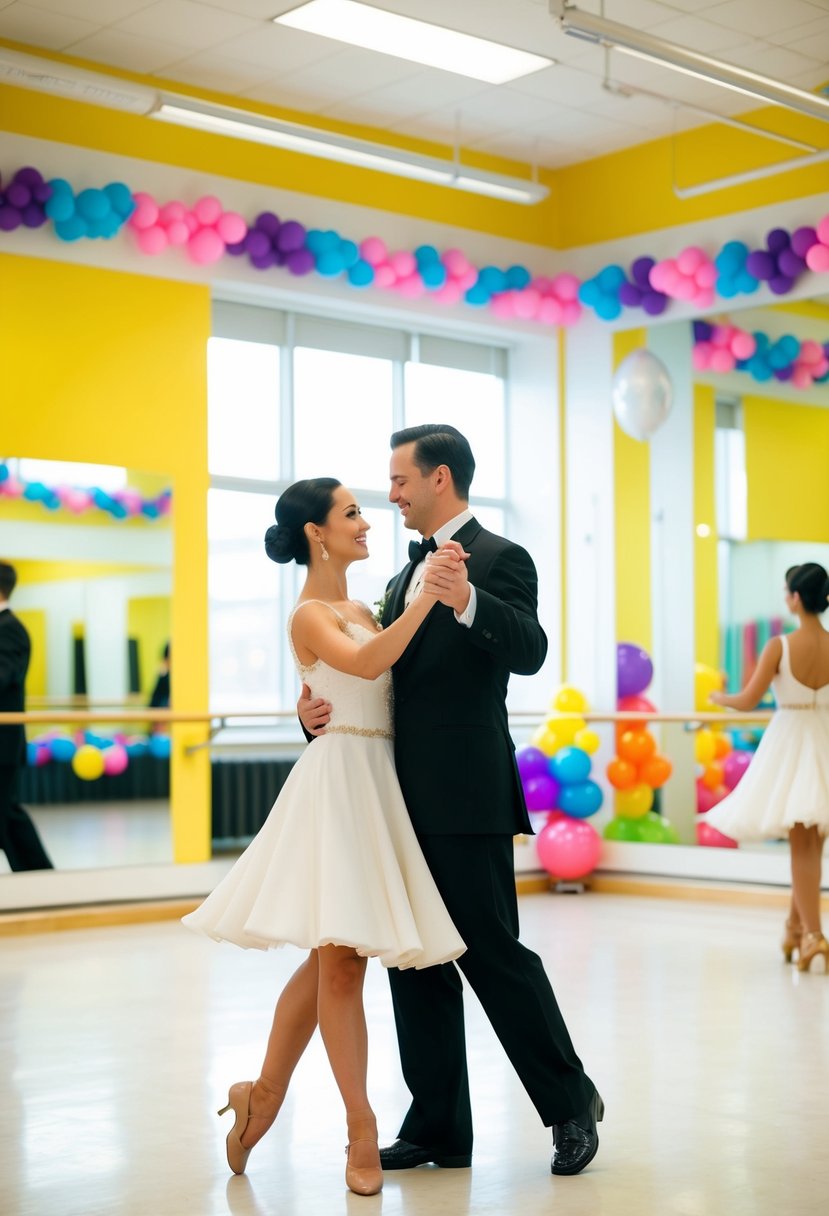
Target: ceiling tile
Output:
{"points": [[425, 91], [193, 25], [776, 61], [816, 34], [99, 12], [698, 35], [24, 23], [346, 73], [217, 73], [133, 54], [567, 85], [281, 50], [761, 17]]}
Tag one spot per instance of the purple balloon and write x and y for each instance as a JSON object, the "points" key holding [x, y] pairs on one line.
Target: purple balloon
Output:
{"points": [[702, 331], [237, 249], [630, 295], [780, 284], [802, 240], [790, 264], [540, 793], [532, 762], [10, 218], [264, 260], [778, 240], [654, 303], [33, 216], [641, 270], [734, 767], [291, 236], [267, 222], [29, 177], [257, 243], [634, 669], [18, 195], [761, 264], [300, 261], [783, 373]]}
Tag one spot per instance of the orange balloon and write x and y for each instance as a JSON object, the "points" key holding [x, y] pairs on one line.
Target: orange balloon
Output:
{"points": [[621, 773], [722, 745], [656, 771], [636, 746], [713, 776]]}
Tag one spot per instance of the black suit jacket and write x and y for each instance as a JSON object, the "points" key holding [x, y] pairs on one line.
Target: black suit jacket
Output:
{"points": [[15, 649], [454, 755]]}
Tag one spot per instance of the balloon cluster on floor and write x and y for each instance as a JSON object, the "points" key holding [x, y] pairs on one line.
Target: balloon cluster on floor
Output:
{"points": [[726, 348], [206, 231], [120, 504], [720, 766], [638, 768], [92, 756], [555, 773]]}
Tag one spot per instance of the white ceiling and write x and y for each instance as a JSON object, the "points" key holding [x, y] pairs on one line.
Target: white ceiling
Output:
{"points": [[554, 117]]}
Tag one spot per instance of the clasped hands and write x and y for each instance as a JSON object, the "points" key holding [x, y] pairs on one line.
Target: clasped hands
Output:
{"points": [[445, 576]]}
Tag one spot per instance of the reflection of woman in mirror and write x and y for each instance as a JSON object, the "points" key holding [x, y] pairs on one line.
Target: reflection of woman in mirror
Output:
{"points": [[18, 835], [336, 869], [785, 790], [160, 696]]}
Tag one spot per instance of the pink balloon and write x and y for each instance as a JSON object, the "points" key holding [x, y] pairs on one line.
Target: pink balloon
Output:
{"points": [[115, 760], [706, 275], [661, 274], [566, 286], [411, 286], [152, 240], [708, 798], [701, 356], [205, 247], [683, 288], [145, 213], [207, 210], [449, 293], [817, 258], [709, 837], [456, 263], [42, 755], [231, 228], [572, 312], [403, 264], [178, 233], [810, 352], [722, 361], [734, 767], [703, 297], [373, 250], [823, 230], [551, 312], [171, 213], [503, 305], [568, 848], [384, 275], [690, 259], [468, 279], [802, 377], [526, 304], [743, 345]]}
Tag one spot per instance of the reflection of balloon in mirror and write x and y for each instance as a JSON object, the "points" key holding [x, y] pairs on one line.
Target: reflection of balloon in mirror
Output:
{"points": [[642, 394]]}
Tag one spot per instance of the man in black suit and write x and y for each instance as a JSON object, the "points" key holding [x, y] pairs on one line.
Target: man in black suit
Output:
{"points": [[456, 765], [18, 835]]}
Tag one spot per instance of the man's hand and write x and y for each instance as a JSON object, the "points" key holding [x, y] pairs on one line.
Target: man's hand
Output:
{"points": [[445, 576], [314, 713]]}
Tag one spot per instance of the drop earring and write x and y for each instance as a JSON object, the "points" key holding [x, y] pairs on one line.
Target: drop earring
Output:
{"points": [[324, 550]]}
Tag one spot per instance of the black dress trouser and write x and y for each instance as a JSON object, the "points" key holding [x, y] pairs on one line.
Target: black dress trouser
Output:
{"points": [[476, 878], [18, 835]]}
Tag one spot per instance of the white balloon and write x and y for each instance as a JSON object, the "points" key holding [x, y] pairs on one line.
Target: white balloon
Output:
{"points": [[642, 394]]}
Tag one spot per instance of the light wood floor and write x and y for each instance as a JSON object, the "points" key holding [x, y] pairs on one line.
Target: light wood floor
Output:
{"points": [[117, 1046]]}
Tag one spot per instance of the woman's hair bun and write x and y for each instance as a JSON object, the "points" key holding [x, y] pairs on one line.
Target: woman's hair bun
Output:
{"points": [[281, 543], [811, 583]]}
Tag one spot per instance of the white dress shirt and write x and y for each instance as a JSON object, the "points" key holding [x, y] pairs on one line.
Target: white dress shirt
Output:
{"points": [[441, 537]]}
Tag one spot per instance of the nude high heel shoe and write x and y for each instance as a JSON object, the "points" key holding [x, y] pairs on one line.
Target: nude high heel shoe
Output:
{"points": [[791, 939], [812, 945], [238, 1100], [363, 1179]]}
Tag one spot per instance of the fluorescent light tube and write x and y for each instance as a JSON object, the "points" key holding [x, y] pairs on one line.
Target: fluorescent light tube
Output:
{"points": [[375, 29], [63, 80], [668, 54], [242, 124]]}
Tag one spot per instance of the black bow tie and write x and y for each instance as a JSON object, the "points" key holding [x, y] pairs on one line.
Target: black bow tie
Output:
{"points": [[419, 548]]}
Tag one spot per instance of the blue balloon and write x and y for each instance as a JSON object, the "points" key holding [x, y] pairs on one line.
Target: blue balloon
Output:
{"points": [[608, 308], [34, 491], [493, 279], [160, 746], [330, 264], [590, 293], [31, 753], [426, 255], [611, 279], [581, 800], [518, 277], [61, 205], [433, 275], [349, 252], [315, 241], [477, 296], [120, 198], [138, 747], [361, 274], [92, 204], [62, 749], [570, 765]]}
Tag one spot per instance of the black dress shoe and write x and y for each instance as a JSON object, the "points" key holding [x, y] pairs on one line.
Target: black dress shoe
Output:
{"points": [[577, 1140], [404, 1156]]}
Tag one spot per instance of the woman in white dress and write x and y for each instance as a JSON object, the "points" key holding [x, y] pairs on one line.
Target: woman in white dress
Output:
{"points": [[785, 791], [336, 867]]}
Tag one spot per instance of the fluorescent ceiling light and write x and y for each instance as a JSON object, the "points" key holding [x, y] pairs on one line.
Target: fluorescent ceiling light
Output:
{"points": [[634, 42], [242, 124], [374, 29]]}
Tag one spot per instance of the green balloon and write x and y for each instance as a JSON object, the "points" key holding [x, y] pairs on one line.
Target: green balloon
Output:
{"points": [[671, 834], [622, 829]]}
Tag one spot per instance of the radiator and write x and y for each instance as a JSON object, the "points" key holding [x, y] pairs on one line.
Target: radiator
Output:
{"points": [[243, 791]]}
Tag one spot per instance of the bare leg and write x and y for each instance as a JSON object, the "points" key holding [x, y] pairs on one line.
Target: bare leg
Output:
{"points": [[294, 1022], [807, 856], [342, 1023]]}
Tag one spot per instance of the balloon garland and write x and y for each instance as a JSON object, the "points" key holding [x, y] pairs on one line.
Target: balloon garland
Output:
{"points": [[92, 756], [207, 232], [726, 347], [120, 504]]}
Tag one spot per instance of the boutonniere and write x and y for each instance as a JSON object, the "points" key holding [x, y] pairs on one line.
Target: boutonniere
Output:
{"points": [[380, 607]]}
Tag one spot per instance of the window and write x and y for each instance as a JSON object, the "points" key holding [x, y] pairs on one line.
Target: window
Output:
{"points": [[293, 396]]}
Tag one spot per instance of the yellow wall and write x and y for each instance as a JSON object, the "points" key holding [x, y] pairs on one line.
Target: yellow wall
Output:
{"points": [[787, 467], [112, 368], [148, 621], [35, 621], [31, 572], [706, 586], [631, 463]]}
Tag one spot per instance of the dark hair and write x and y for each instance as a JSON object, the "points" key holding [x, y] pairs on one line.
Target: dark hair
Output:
{"points": [[302, 503], [811, 583], [438, 443], [8, 579]]}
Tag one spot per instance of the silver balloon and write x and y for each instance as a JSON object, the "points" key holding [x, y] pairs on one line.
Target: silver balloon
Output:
{"points": [[642, 394]]}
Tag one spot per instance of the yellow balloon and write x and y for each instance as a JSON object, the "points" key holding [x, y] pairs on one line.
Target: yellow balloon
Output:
{"points": [[568, 700], [566, 729], [706, 680], [705, 746], [635, 802], [88, 762], [547, 740], [587, 740]]}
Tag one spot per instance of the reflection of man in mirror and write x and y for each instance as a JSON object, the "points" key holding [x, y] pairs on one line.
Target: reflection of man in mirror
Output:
{"points": [[160, 696], [18, 835]]}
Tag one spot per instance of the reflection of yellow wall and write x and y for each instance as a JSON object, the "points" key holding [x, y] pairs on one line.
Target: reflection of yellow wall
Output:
{"points": [[706, 590], [787, 466], [148, 621], [632, 465], [31, 572], [35, 621], [112, 368]]}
